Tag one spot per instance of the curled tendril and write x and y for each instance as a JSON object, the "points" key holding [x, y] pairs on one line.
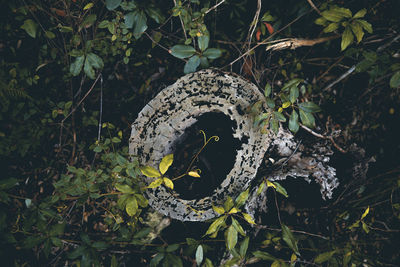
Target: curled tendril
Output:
{"points": [[206, 141], [197, 170]]}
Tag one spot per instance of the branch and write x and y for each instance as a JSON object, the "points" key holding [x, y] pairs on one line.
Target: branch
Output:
{"points": [[294, 43]]}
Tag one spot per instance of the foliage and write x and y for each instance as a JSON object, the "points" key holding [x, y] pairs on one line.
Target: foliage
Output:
{"points": [[74, 75]]}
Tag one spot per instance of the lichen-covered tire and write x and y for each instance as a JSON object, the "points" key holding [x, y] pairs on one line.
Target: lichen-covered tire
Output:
{"points": [[164, 119]]}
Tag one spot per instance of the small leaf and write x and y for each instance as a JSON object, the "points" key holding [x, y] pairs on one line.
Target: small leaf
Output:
{"points": [[241, 199], [307, 118], [309, 107], [165, 163], [263, 255], [231, 237], [267, 90], [124, 188], [192, 64], [323, 257], [238, 227], [332, 15], [365, 213], [244, 246], [291, 83], [112, 4], [260, 188], [248, 218], [203, 42], [168, 182], [228, 204], [280, 189], [95, 61], [294, 122], [286, 104], [294, 94], [140, 24], [274, 125], [131, 206], [215, 225], [194, 174], [321, 21], [331, 27], [279, 116], [155, 183], [212, 53], [395, 80], [347, 38], [76, 66], [360, 14], [219, 210], [30, 27], [289, 238], [367, 26], [149, 171], [270, 184], [357, 30], [270, 103], [365, 227], [88, 6], [182, 51], [344, 12], [88, 69], [199, 255], [233, 210]]}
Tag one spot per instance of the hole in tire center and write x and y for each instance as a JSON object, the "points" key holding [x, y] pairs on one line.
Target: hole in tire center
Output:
{"points": [[215, 160]]}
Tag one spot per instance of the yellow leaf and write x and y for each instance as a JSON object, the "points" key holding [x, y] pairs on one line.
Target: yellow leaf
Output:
{"points": [[233, 210], [280, 110], [194, 174], [286, 104], [248, 218], [156, 183], [149, 171], [114, 37], [293, 258], [365, 213], [269, 184], [88, 6], [219, 210], [166, 162], [168, 183]]}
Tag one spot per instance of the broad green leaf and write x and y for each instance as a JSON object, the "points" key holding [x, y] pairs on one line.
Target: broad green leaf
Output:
{"points": [[365, 213], [270, 103], [219, 210], [241, 199], [395, 80], [260, 117], [149, 171], [286, 104], [204, 62], [260, 188], [141, 200], [157, 259], [309, 107], [233, 211], [289, 238], [321, 21], [274, 125], [192, 64], [207, 263], [263, 255], [203, 42], [248, 218], [88, 69], [280, 189], [142, 233], [237, 226], [194, 174], [112, 4], [344, 12], [88, 21], [140, 24], [367, 26], [294, 122], [307, 119], [347, 38], [212, 53], [244, 246], [360, 14], [279, 116], [155, 183], [323, 257], [294, 94], [168, 182], [50, 35], [291, 83], [357, 30], [331, 27], [182, 51], [199, 255], [267, 17], [228, 204], [77, 65], [95, 61], [131, 206], [215, 225], [30, 27], [165, 163], [155, 14], [267, 90], [365, 227], [124, 188], [331, 15], [279, 263], [231, 237], [172, 248]]}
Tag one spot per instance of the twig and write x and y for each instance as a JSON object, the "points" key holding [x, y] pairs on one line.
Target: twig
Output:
{"points": [[383, 47], [163, 47], [294, 43], [294, 231], [347, 73], [330, 67], [314, 7], [183, 25], [214, 7], [253, 25], [330, 138]]}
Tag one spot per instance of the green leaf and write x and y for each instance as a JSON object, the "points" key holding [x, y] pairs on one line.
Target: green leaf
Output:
{"points": [[228, 204], [279, 116], [294, 94], [347, 38], [50, 35], [309, 107], [165, 163], [155, 14], [263, 255], [267, 90], [157, 259], [260, 188], [323, 257], [237, 226], [241, 199], [155, 183], [172, 248], [365, 227], [30, 27], [267, 17], [290, 240], [141, 200], [215, 225], [168, 183], [344, 12], [199, 255], [219, 210], [367, 26], [321, 21], [77, 65], [270, 103], [331, 27], [203, 42], [331, 15], [212, 53], [142, 233], [88, 69], [294, 122], [231, 237], [395, 80], [131, 206], [124, 188], [182, 51], [291, 83], [149, 171], [140, 24], [88, 21], [307, 119], [248, 218], [244, 246], [192, 64], [357, 30], [112, 4], [204, 62], [274, 125], [280, 189], [95, 61], [360, 14]]}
